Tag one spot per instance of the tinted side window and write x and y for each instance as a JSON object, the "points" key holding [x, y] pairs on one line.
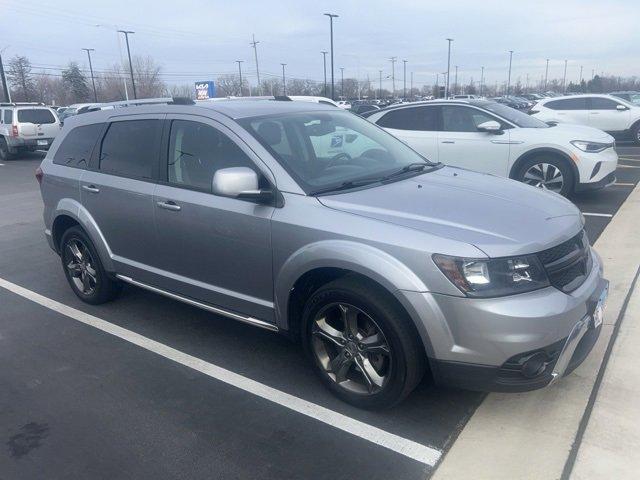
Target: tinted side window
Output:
{"points": [[130, 148], [463, 119], [599, 103], [75, 150], [414, 118], [8, 116], [38, 116], [197, 150], [568, 104]]}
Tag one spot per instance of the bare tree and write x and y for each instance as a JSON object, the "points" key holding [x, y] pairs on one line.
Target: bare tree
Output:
{"points": [[228, 85], [182, 91], [146, 72], [20, 78]]}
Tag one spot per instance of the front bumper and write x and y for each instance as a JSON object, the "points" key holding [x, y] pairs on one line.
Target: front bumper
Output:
{"points": [[556, 360], [596, 170]]}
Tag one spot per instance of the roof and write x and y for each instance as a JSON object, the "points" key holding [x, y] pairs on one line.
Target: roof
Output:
{"points": [[455, 101], [581, 95]]}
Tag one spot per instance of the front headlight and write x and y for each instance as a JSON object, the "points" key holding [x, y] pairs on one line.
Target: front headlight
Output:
{"points": [[493, 277], [590, 147]]}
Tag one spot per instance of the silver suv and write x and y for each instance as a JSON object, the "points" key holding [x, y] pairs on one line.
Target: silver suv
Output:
{"points": [[308, 220], [26, 127]]}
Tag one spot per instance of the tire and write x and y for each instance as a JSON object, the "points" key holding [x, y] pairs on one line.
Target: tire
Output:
{"points": [[395, 373], [544, 171], [81, 263], [635, 132], [5, 153]]}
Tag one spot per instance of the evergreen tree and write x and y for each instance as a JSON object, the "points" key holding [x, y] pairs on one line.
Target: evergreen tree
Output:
{"points": [[20, 78], [76, 82]]}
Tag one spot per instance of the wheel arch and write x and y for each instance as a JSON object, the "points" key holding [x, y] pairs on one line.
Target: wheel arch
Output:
{"points": [[515, 168], [70, 212]]}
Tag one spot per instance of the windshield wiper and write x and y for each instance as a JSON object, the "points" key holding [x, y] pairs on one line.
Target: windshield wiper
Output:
{"points": [[411, 167], [345, 186]]}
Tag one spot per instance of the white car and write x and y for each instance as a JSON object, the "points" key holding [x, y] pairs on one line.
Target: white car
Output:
{"points": [[26, 127], [344, 104], [310, 98], [604, 112], [489, 137]]}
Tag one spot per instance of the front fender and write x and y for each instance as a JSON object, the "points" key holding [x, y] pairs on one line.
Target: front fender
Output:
{"points": [[363, 259], [72, 208]]}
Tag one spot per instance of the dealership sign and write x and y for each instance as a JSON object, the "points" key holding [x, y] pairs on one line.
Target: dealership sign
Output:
{"points": [[205, 90]]}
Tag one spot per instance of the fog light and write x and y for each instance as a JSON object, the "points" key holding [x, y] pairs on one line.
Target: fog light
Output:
{"points": [[534, 365]]}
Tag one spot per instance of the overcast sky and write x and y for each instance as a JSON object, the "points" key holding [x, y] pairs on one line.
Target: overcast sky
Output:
{"points": [[198, 40]]}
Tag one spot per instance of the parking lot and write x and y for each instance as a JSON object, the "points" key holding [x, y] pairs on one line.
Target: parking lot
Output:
{"points": [[147, 387]]}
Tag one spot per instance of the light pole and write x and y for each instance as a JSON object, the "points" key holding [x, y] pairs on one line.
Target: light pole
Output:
{"points": [[509, 76], [481, 80], [342, 82], [254, 44], [393, 76], [239, 62], [580, 77], [455, 83], [404, 79], [93, 82], [324, 62], [331, 17], [446, 90], [411, 87], [284, 81], [126, 37], [380, 91], [546, 75], [564, 78]]}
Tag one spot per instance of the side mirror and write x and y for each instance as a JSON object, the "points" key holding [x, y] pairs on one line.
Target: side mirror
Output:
{"points": [[621, 108], [239, 182], [490, 127]]}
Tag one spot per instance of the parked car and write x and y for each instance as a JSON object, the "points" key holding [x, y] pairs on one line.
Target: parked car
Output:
{"points": [[510, 102], [604, 112], [489, 137], [364, 108], [631, 97], [384, 265], [533, 97], [26, 127], [464, 97], [344, 104], [309, 98]]}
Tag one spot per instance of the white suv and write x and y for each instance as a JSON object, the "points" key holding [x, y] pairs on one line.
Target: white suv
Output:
{"points": [[26, 126], [489, 137], [605, 112]]}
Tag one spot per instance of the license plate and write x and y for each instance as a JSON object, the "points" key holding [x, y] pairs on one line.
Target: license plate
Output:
{"points": [[598, 312], [43, 142]]}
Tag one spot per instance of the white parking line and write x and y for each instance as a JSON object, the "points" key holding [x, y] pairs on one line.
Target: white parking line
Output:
{"points": [[629, 159], [1, 164], [607, 215], [623, 184], [628, 166], [403, 446]]}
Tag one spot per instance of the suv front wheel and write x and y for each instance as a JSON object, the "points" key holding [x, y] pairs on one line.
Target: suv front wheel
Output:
{"points": [[547, 172], [362, 344]]}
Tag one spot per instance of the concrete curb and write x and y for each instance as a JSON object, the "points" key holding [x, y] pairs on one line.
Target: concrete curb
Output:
{"points": [[530, 435]]}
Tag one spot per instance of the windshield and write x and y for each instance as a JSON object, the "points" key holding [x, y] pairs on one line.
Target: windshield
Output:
{"points": [[323, 149], [36, 115], [514, 116]]}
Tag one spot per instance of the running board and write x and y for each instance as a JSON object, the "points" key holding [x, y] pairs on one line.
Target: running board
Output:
{"points": [[236, 316]]}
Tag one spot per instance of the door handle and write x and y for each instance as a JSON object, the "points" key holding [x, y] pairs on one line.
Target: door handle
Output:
{"points": [[91, 188], [169, 205], [448, 141]]}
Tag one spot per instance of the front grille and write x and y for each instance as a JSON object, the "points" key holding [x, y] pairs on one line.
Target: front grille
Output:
{"points": [[569, 263]]}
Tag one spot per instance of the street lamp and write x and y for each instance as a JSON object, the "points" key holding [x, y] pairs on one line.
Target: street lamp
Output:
{"points": [[455, 83], [324, 62], [481, 80], [254, 44], [446, 90], [509, 77], [331, 17], [564, 78], [380, 94], [342, 82], [546, 75], [404, 79], [93, 82], [284, 81], [239, 62], [133, 83], [393, 76]]}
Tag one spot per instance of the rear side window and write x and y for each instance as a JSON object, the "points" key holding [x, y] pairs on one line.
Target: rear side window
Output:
{"points": [[599, 103], [8, 116], [38, 116], [568, 104], [130, 148], [75, 150], [413, 118]]}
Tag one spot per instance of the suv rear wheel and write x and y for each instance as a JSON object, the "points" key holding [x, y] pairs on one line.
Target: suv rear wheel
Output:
{"points": [[547, 172], [84, 270], [635, 132], [362, 344], [5, 152]]}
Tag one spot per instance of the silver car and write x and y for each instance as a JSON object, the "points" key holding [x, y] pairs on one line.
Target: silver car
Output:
{"points": [[307, 220]]}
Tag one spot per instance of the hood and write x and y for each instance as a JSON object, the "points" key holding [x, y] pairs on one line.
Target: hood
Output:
{"points": [[579, 132], [501, 217]]}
